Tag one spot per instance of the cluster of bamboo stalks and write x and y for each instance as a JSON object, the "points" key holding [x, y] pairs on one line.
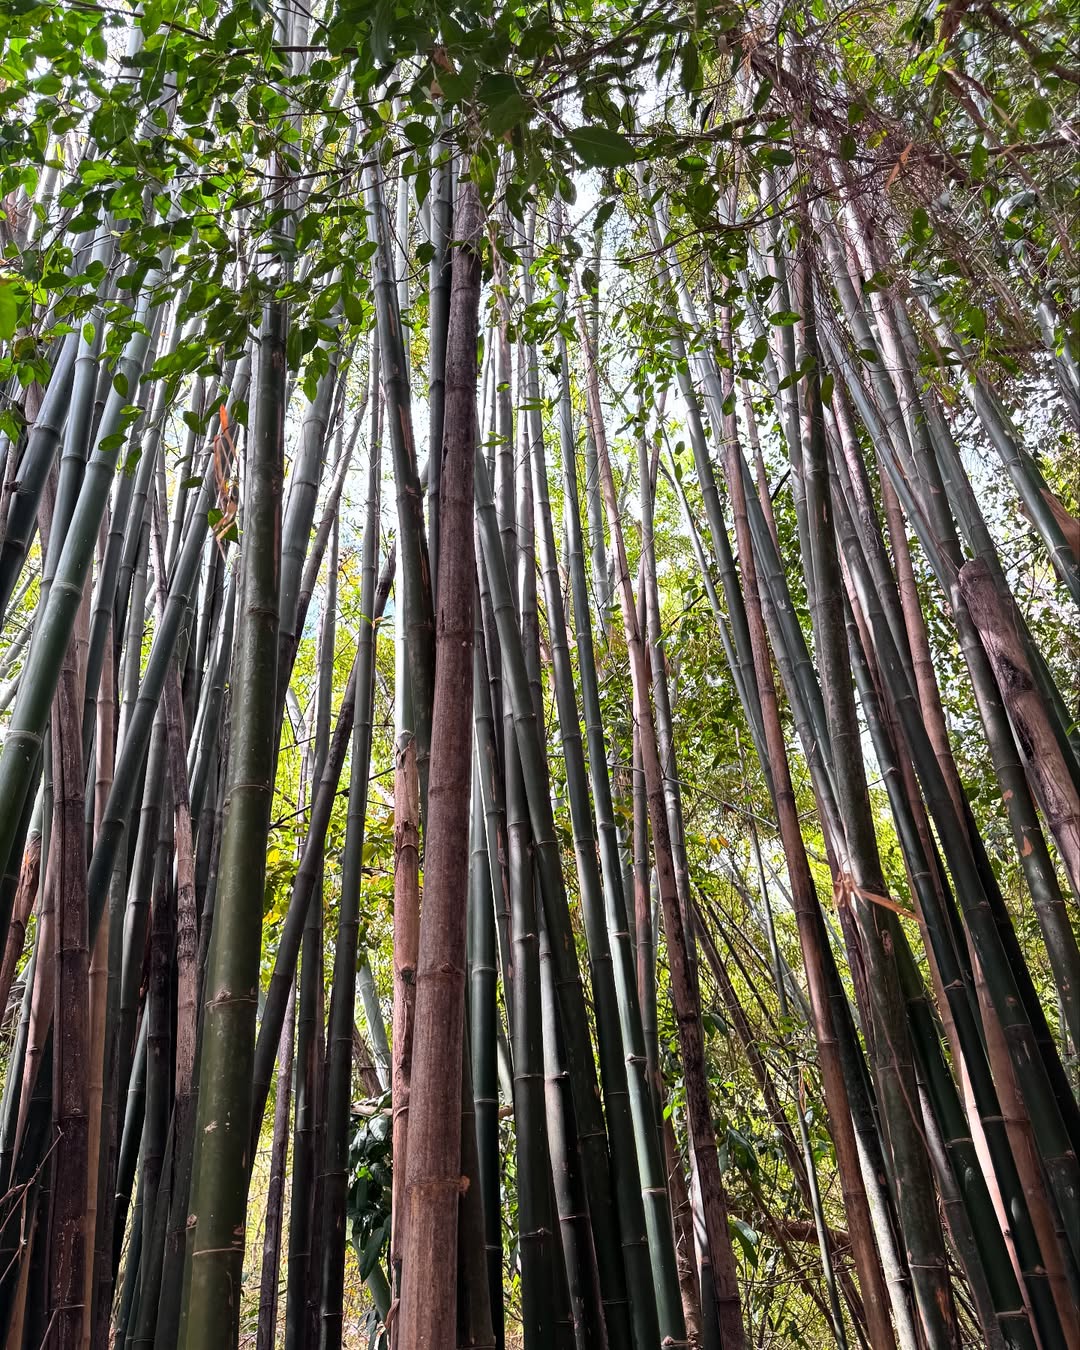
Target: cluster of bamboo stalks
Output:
{"points": [[154, 618]]}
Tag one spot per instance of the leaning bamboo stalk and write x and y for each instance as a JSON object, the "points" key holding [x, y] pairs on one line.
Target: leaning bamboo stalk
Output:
{"points": [[304, 885], [1043, 758], [57, 618], [991, 941], [931, 899], [811, 935], [139, 719], [878, 927], [37, 460], [1015, 998], [613, 959], [343, 995], [683, 982], [412, 544], [266, 1337]]}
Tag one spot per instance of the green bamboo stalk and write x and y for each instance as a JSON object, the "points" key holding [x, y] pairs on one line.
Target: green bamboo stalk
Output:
{"points": [[139, 719], [266, 1335], [580, 1066], [37, 459], [685, 992], [416, 600], [613, 1071], [343, 995], [220, 1163], [56, 619], [483, 1016], [612, 940], [492, 791], [442, 220], [535, 1228], [304, 883], [583, 1298], [475, 1330], [299, 514]]}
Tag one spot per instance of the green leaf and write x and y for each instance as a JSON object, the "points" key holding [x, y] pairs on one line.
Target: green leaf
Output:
{"points": [[690, 68], [827, 389], [784, 318], [353, 306], [604, 214], [507, 112], [747, 1238], [1037, 115], [848, 146], [602, 148], [975, 319], [9, 311]]}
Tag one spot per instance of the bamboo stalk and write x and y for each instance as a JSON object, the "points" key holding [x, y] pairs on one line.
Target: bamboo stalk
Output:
{"points": [[434, 1162], [221, 1160]]}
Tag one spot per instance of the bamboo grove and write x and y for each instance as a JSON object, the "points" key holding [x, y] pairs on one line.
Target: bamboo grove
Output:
{"points": [[539, 701]]}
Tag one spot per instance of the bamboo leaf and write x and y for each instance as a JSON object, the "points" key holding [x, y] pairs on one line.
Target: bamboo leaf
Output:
{"points": [[600, 147]]}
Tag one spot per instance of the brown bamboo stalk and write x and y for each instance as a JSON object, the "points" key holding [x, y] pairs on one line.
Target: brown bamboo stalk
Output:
{"points": [[26, 893], [1043, 759], [68, 1245], [682, 1219], [99, 971], [433, 1176]]}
